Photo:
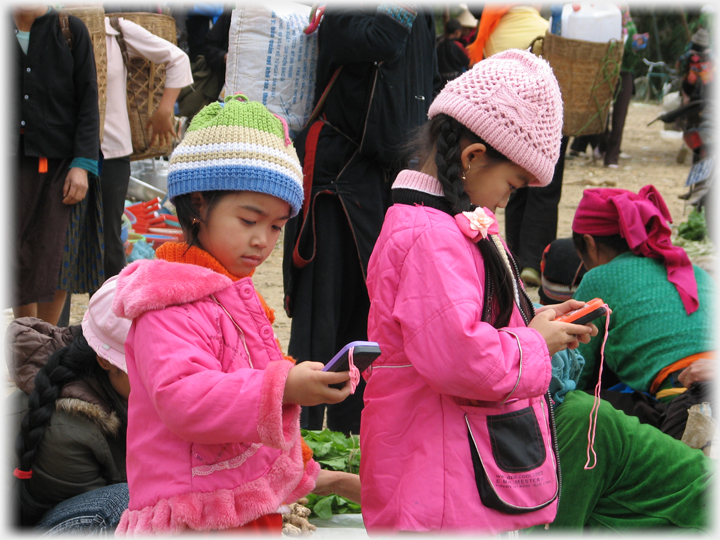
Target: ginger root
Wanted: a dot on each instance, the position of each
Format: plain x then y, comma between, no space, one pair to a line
295,523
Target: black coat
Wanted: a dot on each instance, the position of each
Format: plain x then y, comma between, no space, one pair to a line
388,79
216,43
55,96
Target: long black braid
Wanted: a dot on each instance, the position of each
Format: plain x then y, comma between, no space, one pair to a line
446,133
74,362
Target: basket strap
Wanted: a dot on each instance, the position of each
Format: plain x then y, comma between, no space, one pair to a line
64,19
126,58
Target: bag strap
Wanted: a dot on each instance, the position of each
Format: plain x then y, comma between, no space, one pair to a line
64,19
323,97
311,143
120,38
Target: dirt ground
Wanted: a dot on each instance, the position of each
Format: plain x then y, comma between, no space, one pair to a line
652,161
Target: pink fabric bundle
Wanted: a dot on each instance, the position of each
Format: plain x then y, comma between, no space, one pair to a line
641,220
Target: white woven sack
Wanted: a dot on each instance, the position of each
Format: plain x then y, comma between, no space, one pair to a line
272,61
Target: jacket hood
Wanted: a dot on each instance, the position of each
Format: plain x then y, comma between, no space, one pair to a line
29,342
146,285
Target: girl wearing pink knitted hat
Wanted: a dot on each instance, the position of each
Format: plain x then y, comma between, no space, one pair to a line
458,431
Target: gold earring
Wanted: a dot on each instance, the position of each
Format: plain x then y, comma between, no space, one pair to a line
462,176
195,220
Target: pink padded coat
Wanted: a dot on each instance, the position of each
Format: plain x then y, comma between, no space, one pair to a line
425,281
209,444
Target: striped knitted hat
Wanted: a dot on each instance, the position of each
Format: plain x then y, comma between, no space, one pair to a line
512,101
240,146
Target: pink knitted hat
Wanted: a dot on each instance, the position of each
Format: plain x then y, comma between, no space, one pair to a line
512,101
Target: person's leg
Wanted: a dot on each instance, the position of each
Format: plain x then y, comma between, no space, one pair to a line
642,479
50,311
41,221
514,215
114,182
96,512
529,233
619,113
28,310
340,302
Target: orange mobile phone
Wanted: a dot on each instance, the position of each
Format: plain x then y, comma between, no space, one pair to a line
592,310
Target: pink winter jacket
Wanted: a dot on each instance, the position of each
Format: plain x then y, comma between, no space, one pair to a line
209,443
425,281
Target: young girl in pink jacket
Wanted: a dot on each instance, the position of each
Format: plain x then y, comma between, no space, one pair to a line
458,431
213,438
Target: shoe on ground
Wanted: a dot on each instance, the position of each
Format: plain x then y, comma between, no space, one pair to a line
530,277
623,155
612,166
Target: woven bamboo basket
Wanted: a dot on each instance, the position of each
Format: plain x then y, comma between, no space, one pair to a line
145,84
587,73
94,18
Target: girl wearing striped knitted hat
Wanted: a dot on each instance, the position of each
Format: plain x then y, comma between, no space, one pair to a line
458,431
213,417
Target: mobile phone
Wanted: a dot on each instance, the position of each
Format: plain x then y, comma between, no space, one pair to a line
592,310
364,354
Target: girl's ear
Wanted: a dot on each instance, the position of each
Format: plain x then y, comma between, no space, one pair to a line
471,154
198,202
107,366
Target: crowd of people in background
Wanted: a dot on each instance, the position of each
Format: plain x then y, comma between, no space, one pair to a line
386,204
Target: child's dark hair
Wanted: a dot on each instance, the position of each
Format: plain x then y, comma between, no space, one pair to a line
75,362
445,134
452,26
188,216
615,242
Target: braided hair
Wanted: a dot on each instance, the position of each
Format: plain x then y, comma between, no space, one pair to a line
445,134
75,362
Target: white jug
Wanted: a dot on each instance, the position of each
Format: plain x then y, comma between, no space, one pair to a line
598,22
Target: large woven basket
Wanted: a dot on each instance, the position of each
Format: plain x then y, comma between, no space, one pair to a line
587,73
145,84
94,18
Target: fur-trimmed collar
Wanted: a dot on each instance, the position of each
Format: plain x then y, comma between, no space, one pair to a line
146,285
109,423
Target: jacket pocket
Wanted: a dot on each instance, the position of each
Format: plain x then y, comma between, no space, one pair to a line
515,466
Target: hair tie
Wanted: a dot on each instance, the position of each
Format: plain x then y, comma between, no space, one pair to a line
22,475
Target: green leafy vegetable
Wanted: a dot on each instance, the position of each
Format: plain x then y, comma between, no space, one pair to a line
336,452
695,227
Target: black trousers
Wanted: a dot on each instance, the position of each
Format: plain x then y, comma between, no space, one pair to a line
114,180
531,217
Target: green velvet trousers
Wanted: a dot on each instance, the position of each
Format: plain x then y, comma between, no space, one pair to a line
643,479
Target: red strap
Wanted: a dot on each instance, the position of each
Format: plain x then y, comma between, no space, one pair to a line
311,143
22,475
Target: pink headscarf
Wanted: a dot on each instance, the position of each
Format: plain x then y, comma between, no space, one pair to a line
641,220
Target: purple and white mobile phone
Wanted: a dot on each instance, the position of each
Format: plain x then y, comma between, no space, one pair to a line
364,353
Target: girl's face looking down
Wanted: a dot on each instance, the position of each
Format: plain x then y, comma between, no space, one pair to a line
487,182
241,229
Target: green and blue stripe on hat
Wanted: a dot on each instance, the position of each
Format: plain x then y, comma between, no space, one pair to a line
237,145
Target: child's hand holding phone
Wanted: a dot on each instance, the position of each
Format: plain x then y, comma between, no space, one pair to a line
307,385
552,323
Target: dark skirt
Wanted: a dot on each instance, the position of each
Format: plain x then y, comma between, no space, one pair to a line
82,269
41,224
